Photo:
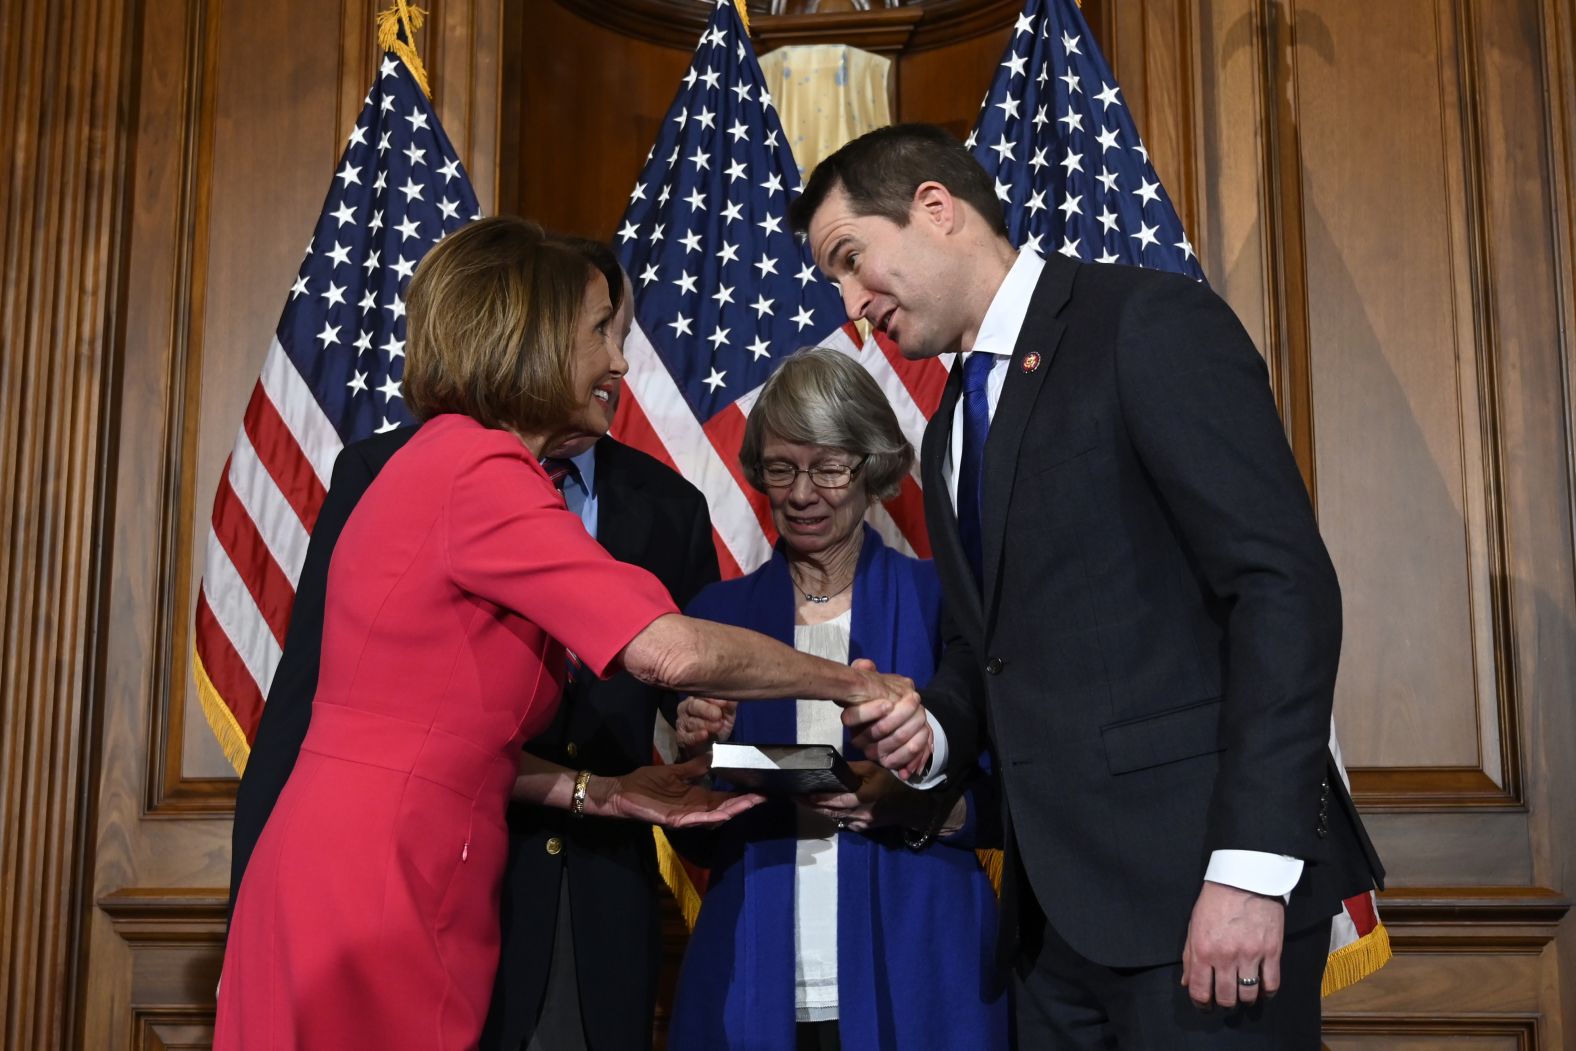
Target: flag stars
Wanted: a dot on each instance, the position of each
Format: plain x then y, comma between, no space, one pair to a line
696,200
804,318
339,254
412,190
638,193
450,169
389,68
733,210
1146,235
329,336
358,383
1073,119
417,118
1072,81
766,265
1025,25
369,300
1069,248
1036,203
1072,162
363,342
1003,147
723,295
735,171
1070,207
1148,192
772,224
405,267
711,76
380,182
762,305
1070,44
1107,179
1040,118
390,389
344,213
729,253
1109,96
450,209
718,340
396,308
1107,220
1187,248
407,229
760,348
300,287
707,117
805,275
717,380
691,242
1003,191
1038,161
701,160
628,232
335,296
394,348
1008,107
349,174
681,326
685,283
1015,65
416,154
743,91
1107,140
773,184
648,275
739,130
358,136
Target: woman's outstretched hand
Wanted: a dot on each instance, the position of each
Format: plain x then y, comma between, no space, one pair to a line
666,795
702,720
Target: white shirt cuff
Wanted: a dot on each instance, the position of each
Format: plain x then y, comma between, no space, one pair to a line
1273,875
936,772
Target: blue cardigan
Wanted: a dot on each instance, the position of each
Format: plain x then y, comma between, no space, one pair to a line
916,931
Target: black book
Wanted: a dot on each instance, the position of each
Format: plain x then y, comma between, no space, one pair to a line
782,769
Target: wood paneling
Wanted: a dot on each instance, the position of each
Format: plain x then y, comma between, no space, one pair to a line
62,83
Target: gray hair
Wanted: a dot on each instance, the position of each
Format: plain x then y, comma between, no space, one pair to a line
821,396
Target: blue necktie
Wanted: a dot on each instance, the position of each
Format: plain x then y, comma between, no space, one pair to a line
971,471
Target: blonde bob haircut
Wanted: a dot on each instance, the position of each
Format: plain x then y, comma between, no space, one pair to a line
491,319
821,396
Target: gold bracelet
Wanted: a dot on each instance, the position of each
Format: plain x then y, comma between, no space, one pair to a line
577,802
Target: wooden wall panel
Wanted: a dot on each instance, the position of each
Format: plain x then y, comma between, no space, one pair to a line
62,200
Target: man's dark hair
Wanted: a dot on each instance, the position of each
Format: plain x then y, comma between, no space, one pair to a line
601,256
880,170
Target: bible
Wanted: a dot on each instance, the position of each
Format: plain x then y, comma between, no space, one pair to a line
782,769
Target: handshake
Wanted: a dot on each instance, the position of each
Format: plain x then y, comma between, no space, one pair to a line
883,713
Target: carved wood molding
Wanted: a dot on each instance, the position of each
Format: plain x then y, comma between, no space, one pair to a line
1495,920
1446,1029
933,23
165,915
63,97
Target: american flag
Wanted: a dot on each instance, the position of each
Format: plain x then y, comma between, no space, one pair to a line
723,291
1070,168
1074,177
331,377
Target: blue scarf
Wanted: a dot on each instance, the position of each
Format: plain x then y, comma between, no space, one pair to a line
916,931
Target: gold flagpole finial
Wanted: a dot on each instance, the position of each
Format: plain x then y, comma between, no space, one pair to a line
397,33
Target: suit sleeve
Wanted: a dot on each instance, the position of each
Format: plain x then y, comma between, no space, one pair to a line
1197,406
956,697
288,710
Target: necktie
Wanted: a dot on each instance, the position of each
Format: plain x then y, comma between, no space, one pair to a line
560,471
971,471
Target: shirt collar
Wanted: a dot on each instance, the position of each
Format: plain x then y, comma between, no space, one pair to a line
1003,320
585,463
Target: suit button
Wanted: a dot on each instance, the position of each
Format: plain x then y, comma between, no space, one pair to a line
570,750
995,665
554,845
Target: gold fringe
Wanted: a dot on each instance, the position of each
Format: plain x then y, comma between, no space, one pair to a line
232,739
990,861
677,879
744,15
390,23
1350,964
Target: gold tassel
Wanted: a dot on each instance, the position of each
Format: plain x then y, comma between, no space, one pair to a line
744,15
677,879
990,861
409,19
232,739
1350,964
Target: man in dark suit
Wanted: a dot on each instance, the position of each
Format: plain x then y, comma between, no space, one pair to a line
581,941
1144,620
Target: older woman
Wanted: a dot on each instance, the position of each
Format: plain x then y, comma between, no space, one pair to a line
860,920
368,914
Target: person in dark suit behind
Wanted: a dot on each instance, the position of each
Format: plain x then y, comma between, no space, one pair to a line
1145,622
581,941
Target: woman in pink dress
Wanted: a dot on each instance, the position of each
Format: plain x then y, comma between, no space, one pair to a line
368,914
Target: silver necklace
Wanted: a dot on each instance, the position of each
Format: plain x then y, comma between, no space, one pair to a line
819,600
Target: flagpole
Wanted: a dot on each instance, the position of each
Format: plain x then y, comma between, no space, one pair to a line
397,33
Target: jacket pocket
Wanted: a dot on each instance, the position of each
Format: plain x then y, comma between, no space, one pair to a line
1181,733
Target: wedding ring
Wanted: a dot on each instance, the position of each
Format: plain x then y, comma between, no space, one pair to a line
1247,982
842,822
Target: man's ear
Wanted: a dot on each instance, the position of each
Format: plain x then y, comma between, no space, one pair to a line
934,206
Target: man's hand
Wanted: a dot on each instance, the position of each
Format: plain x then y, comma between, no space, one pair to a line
1233,934
702,720
890,726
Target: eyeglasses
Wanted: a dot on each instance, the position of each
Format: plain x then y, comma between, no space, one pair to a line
780,475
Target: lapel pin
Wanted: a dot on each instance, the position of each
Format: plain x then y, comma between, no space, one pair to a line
1031,362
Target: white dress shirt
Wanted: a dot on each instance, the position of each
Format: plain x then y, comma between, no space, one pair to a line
1251,870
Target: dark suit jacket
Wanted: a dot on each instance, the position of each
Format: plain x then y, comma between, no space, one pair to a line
1153,651
646,515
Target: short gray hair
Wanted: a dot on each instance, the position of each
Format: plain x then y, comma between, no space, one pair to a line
821,396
